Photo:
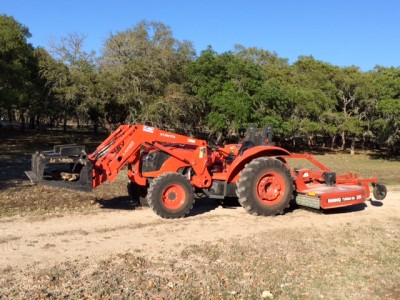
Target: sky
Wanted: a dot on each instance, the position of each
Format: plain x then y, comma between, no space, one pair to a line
364,33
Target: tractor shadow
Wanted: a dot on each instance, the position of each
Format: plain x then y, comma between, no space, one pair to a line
375,203
344,210
353,208
333,211
120,202
201,206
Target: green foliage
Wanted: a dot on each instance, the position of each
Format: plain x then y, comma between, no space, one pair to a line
387,116
16,58
70,76
136,69
145,75
227,84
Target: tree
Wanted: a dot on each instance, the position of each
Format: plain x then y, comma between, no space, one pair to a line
72,74
294,98
38,106
137,69
273,66
15,70
387,124
351,94
227,85
54,73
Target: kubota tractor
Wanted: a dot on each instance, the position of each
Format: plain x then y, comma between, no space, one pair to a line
165,169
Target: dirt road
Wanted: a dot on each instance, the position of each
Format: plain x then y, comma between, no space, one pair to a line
43,240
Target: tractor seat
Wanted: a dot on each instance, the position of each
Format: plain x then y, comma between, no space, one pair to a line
246,145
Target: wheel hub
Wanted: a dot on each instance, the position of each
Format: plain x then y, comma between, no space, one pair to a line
173,196
270,188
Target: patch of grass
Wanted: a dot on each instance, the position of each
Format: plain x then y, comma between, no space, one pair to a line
364,165
40,200
388,171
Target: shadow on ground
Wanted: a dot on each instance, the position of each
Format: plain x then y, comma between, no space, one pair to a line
354,208
120,202
202,205
12,167
347,209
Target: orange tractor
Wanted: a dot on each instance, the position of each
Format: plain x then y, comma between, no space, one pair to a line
166,169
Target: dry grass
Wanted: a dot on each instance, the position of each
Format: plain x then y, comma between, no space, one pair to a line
27,199
365,165
352,262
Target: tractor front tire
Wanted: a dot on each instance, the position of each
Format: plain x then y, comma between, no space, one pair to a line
171,195
137,194
265,187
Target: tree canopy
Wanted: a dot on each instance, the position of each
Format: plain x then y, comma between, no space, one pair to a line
145,75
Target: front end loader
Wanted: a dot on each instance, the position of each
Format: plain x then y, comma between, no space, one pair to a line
165,170
65,166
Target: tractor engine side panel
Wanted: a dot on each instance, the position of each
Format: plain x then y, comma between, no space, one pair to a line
153,161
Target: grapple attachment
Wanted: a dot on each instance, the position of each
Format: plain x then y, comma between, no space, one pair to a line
65,166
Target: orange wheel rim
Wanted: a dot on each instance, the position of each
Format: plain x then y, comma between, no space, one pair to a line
174,196
270,188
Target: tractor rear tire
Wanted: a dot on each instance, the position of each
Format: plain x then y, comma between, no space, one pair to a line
137,194
265,187
171,195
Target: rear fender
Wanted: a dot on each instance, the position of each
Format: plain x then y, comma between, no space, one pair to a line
260,151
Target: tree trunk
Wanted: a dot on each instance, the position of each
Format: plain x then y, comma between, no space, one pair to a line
108,126
96,126
37,121
310,140
343,139
52,122
333,141
31,122
65,124
22,119
219,137
353,146
10,117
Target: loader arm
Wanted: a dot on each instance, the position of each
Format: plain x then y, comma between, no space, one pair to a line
69,166
124,145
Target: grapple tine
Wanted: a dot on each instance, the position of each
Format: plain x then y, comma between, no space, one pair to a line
65,166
